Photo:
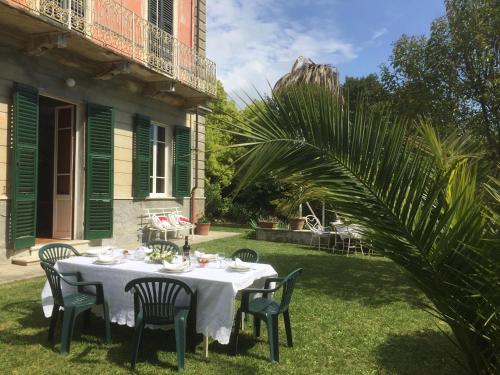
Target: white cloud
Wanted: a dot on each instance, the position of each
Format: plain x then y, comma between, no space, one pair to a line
254,43
379,33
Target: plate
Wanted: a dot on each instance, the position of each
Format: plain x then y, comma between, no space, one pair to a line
183,270
117,261
237,269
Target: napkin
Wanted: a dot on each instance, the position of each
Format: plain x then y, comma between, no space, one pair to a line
238,263
175,266
106,259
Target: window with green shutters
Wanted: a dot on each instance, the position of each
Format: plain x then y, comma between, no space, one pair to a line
24,167
182,162
99,172
141,156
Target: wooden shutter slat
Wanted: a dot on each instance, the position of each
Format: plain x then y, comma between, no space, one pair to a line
182,162
24,167
99,172
142,156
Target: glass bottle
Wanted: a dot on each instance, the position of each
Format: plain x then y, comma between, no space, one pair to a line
186,249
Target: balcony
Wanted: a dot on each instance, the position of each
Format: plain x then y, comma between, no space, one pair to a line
118,41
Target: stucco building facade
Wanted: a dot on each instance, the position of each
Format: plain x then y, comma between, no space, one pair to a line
102,109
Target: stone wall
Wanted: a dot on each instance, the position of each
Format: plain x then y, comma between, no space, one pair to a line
302,237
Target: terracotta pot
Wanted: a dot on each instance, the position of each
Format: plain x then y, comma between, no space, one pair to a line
202,229
296,223
268,224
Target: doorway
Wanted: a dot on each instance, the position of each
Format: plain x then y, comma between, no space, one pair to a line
55,169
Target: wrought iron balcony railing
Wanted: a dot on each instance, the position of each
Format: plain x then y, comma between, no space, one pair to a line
110,24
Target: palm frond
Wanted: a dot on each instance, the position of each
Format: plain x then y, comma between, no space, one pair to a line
416,196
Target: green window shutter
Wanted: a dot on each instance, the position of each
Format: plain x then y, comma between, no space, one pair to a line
24,167
142,156
182,162
99,172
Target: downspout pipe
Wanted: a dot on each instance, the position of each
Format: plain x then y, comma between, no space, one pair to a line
196,167
197,130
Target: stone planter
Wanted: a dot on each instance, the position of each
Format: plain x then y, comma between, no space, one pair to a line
268,224
296,223
202,229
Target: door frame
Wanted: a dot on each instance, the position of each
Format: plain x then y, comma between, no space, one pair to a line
71,172
78,160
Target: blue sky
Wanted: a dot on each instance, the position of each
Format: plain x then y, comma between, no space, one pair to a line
255,42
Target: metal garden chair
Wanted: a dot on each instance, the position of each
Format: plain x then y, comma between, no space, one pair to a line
246,255
318,231
73,304
156,302
267,309
53,252
164,245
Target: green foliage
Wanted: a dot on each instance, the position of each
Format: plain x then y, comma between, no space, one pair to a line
222,160
367,89
203,220
417,195
451,76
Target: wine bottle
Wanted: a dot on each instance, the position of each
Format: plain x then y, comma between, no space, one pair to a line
186,249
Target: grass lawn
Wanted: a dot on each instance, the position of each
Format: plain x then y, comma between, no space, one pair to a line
350,315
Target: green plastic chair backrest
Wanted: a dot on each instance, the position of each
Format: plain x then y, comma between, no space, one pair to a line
246,255
156,297
54,279
53,252
164,245
288,284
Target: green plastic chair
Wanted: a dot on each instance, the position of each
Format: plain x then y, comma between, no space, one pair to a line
164,245
246,255
267,309
53,252
155,303
73,304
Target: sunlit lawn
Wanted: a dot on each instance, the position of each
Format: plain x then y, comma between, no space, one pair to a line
350,315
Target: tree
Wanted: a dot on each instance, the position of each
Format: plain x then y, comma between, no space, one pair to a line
417,197
451,77
367,89
220,160
304,70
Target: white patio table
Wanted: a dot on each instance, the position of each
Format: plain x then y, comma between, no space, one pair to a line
216,286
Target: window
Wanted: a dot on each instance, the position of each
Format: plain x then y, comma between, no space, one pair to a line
160,166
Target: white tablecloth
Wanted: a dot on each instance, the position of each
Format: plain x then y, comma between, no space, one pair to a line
216,288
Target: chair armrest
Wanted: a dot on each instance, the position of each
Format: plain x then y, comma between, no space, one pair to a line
96,284
245,295
270,280
77,274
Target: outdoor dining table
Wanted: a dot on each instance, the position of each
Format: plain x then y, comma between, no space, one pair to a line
216,286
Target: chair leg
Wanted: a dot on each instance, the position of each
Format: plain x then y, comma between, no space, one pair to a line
139,328
67,329
107,323
272,333
236,333
180,341
288,328
53,321
86,320
256,326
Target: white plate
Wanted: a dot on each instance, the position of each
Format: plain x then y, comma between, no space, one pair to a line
183,270
117,261
237,269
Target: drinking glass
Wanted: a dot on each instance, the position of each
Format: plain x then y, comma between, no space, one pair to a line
221,258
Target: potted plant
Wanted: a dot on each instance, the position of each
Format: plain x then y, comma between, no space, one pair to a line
293,196
270,222
202,226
